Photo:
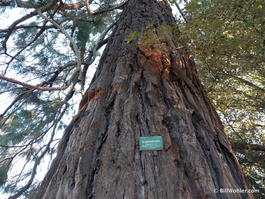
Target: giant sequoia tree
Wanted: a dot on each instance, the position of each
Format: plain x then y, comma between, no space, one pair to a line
146,84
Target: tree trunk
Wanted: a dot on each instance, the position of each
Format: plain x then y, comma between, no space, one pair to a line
146,84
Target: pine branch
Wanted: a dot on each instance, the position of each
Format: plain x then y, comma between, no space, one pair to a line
34,39
24,18
75,47
38,159
20,96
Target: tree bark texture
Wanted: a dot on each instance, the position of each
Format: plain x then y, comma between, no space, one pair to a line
144,89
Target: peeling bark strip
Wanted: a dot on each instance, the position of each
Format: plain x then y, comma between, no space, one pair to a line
145,94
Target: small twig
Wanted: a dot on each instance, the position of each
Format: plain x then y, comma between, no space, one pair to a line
244,81
235,132
180,11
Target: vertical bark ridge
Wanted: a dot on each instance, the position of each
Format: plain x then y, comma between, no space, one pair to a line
147,89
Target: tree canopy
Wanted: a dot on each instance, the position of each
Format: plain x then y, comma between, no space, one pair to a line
227,39
48,50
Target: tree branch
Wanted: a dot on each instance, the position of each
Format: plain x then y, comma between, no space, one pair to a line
27,16
27,45
110,8
244,81
32,86
180,11
75,48
244,146
92,55
47,147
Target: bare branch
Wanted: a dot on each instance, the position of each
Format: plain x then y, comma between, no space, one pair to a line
49,82
32,86
180,11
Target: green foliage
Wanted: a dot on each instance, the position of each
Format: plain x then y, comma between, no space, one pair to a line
29,121
157,38
227,39
4,167
132,36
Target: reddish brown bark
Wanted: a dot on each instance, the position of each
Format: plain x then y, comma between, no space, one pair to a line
148,90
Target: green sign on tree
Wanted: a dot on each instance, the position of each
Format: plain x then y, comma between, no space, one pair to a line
151,143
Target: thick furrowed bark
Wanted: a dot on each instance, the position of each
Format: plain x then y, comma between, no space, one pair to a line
142,93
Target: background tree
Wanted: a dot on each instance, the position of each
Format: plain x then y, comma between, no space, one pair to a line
227,39
50,49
